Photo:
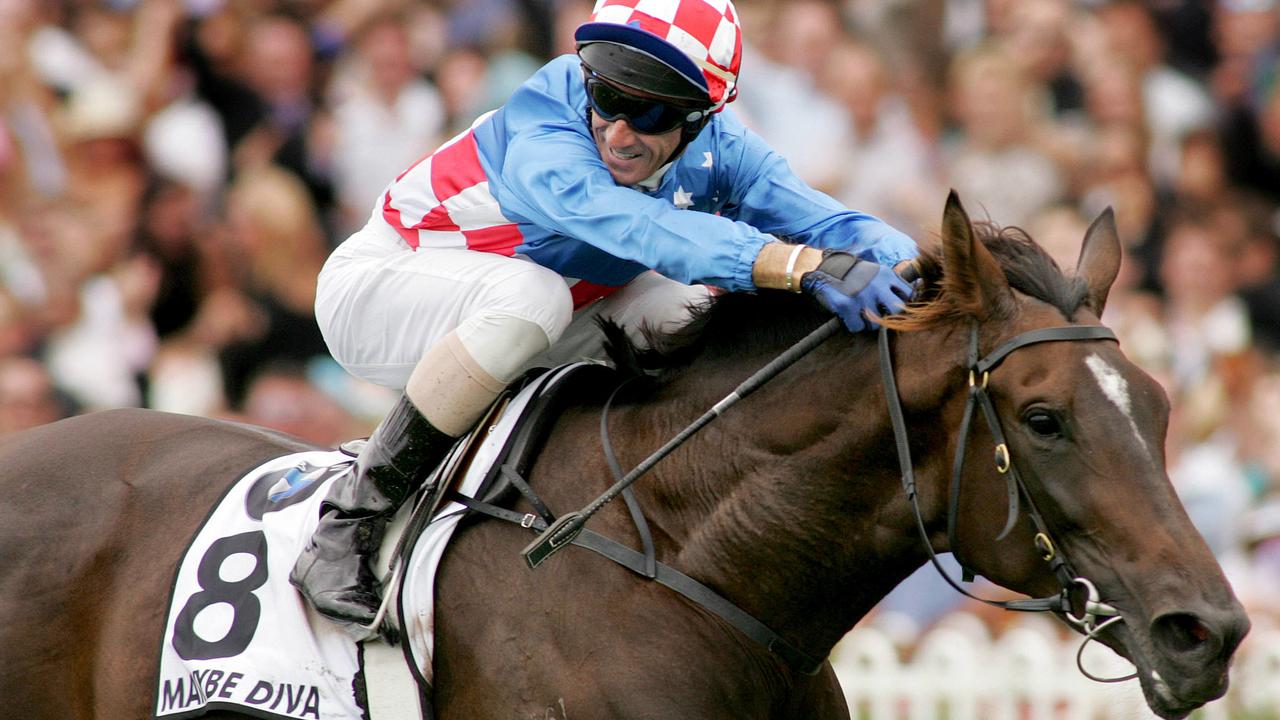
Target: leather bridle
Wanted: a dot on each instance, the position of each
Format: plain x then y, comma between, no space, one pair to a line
979,371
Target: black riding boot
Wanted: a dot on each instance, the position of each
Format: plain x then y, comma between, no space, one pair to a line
334,570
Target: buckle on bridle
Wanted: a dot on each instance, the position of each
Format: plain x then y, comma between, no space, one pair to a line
1046,548
1061,602
1002,458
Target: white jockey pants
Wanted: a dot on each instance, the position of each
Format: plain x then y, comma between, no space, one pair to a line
382,306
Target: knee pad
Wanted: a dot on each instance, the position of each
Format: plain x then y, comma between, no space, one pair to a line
537,295
502,344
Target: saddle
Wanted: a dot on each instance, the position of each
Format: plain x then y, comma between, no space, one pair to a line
535,423
520,423
537,398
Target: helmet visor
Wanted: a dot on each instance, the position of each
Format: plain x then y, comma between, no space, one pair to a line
644,115
630,67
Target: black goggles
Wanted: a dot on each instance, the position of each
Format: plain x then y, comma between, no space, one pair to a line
650,117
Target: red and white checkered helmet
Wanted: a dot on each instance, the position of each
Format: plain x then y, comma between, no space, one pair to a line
700,39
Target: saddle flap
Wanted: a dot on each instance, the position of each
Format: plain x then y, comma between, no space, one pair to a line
561,389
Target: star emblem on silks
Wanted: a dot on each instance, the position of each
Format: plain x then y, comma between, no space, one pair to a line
682,199
706,159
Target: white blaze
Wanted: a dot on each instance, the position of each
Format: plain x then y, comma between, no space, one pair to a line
1116,389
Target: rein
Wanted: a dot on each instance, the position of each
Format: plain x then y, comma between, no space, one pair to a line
569,529
563,531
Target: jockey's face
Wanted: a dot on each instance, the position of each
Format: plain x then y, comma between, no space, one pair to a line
629,155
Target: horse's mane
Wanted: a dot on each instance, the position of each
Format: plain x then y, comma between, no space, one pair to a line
739,323
732,324
1028,268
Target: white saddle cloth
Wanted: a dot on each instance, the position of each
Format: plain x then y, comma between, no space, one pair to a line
239,637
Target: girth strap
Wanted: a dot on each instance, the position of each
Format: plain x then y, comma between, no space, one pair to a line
668,576
643,564
633,505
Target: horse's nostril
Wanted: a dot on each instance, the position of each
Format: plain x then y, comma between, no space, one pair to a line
1181,632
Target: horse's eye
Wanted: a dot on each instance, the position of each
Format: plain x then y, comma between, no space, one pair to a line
1043,423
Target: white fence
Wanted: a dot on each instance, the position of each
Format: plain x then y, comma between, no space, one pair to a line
958,671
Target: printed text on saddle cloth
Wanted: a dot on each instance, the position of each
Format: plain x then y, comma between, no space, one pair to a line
238,637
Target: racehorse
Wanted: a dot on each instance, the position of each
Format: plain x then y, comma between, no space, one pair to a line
791,505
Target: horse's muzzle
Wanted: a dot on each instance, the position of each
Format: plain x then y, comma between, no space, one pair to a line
1191,656
1190,643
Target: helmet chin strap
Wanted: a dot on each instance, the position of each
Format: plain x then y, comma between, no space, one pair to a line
688,133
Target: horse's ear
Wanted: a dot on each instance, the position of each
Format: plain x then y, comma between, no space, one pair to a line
972,277
1099,261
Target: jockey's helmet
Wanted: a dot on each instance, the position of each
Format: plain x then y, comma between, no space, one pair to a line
686,51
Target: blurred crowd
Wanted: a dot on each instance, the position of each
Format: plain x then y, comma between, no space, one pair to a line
174,172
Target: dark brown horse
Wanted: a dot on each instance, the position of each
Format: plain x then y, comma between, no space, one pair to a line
790,505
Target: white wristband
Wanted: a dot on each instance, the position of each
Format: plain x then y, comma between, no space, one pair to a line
791,267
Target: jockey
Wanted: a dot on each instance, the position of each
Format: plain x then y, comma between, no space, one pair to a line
612,183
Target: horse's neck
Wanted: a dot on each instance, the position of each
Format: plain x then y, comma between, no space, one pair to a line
789,503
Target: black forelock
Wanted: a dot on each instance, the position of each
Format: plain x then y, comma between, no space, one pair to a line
1030,269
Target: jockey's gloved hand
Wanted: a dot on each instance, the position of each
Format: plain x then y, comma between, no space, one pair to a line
855,290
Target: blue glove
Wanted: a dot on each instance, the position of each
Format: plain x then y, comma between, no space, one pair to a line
854,289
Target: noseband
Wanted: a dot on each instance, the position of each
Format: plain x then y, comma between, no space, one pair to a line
980,368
